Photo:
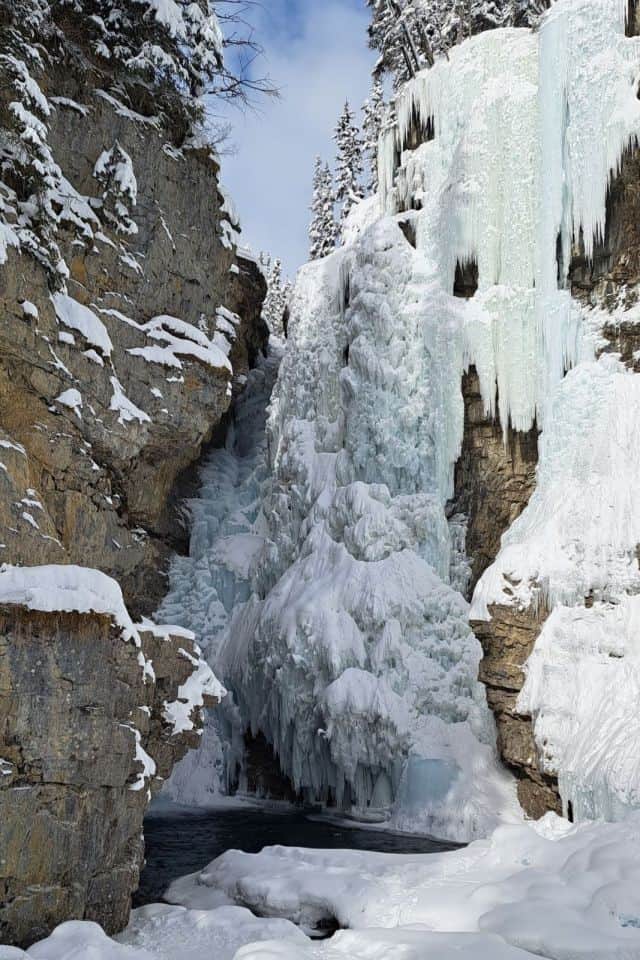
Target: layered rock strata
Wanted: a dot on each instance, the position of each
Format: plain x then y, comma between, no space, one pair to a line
112,380
86,736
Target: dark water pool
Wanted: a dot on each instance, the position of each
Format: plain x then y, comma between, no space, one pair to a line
180,841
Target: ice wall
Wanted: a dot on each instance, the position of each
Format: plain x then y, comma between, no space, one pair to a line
344,638
354,655
574,549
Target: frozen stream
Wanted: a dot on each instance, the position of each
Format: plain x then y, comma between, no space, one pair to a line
183,840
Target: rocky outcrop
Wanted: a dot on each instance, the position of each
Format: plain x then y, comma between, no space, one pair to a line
611,278
507,641
79,719
105,431
494,477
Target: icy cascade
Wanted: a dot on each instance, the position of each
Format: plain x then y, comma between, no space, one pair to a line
206,586
352,653
354,656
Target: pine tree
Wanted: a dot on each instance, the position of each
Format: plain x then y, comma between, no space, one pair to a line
114,172
276,300
409,34
322,229
373,112
349,166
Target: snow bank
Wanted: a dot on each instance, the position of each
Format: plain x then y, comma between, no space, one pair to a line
67,588
534,890
544,890
181,339
163,932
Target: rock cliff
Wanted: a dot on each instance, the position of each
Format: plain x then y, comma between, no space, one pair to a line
115,372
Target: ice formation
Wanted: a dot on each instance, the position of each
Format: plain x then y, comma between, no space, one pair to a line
573,550
341,631
206,586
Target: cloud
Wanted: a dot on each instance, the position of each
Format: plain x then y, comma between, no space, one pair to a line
317,55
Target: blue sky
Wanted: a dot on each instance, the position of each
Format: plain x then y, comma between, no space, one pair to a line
316,53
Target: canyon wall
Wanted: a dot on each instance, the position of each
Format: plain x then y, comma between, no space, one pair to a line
115,372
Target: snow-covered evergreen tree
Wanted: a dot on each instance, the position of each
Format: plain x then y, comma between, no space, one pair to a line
277,298
175,47
114,172
349,162
322,229
373,120
409,34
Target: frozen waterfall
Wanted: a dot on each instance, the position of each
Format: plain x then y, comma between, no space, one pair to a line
323,577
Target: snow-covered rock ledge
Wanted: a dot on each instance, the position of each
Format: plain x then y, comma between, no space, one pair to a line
95,710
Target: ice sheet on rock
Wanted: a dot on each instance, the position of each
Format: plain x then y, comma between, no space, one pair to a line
527,129
586,734
579,532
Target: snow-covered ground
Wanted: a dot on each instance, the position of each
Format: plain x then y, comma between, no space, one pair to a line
546,890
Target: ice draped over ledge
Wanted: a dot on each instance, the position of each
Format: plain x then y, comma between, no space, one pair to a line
352,653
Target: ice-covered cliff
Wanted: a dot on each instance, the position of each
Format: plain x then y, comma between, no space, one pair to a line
478,262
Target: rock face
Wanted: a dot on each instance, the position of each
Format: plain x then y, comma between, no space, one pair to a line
111,410
110,386
494,478
507,641
73,701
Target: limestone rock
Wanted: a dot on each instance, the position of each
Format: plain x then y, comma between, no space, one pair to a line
72,696
110,388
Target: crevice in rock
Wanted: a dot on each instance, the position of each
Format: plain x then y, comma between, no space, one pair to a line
614,269
494,477
408,227
419,131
